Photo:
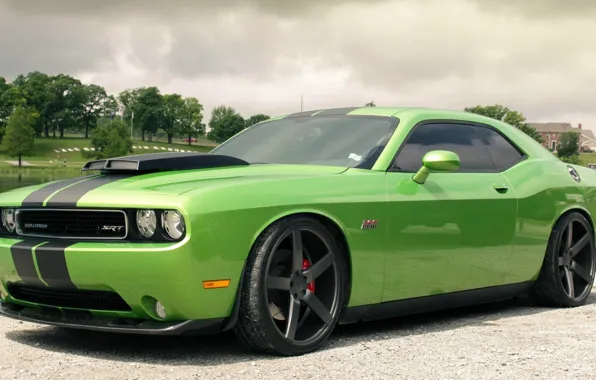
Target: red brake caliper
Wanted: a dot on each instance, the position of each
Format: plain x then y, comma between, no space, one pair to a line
311,285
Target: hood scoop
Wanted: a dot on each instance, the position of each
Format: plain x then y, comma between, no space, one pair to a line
160,162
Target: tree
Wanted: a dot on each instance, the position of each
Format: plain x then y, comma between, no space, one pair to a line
128,100
370,104
10,97
191,119
67,103
35,89
225,122
19,139
254,119
110,139
109,106
93,98
148,110
568,145
5,108
502,113
173,107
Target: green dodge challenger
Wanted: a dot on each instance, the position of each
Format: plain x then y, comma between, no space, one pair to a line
300,223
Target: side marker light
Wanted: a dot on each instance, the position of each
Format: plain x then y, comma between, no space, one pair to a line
216,284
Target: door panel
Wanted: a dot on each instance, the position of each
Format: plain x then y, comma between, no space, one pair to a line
452,233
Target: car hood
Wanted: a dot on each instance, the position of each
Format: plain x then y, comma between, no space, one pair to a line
166,184
176,183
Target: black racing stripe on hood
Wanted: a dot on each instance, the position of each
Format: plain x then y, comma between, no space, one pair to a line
22,256
36,198
51,261
71,195
337,111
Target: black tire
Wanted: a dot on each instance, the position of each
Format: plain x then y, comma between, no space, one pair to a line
270,280
567,274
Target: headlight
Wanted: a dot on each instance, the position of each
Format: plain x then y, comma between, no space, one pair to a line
146,222
8,220
173,223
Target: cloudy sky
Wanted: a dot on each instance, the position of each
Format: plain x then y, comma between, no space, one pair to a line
537,56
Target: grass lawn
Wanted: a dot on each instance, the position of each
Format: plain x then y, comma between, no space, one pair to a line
587,158
45,155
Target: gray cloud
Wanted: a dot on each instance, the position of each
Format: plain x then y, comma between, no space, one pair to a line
556,9
53,45
534,55
287,8
198,51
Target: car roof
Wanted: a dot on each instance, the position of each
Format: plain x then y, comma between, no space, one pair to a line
522,140
384,111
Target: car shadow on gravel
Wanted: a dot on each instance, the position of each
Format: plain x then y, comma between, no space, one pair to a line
224,349
444,320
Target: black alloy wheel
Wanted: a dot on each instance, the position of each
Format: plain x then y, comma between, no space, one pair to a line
294,288
576,259
569,267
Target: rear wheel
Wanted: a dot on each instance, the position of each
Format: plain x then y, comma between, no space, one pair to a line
294,288
569,267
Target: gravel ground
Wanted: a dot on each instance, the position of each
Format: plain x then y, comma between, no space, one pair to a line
509,340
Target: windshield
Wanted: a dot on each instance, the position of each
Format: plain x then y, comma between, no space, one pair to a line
352,141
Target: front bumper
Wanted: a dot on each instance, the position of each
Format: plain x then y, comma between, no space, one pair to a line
137,274
87,321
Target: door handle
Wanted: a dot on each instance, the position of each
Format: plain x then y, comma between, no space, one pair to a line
500,187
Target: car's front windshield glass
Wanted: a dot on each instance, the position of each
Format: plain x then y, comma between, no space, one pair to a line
347,141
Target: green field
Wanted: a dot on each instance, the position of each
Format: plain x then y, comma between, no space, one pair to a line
587,158
46,156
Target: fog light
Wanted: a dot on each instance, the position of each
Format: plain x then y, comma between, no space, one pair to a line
160,310
8,221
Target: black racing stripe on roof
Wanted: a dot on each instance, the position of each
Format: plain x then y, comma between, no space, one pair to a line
301,114
337,111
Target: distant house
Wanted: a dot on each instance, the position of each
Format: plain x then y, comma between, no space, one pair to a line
551,133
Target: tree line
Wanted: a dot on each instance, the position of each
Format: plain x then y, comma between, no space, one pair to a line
49,105
62,102
45,106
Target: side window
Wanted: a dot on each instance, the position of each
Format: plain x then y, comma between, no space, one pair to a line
503,154
459,138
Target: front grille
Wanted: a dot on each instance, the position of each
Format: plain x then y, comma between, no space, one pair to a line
77,299
72,224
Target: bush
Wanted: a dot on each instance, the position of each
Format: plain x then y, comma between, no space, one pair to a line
573,159
110,140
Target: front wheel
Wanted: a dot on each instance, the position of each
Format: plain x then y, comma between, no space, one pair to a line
569,267
294,288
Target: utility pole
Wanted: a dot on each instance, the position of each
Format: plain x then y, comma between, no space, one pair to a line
131,119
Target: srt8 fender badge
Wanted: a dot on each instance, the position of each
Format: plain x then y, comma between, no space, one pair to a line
573,173
368,224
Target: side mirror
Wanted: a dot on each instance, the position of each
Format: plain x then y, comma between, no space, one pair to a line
436,161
